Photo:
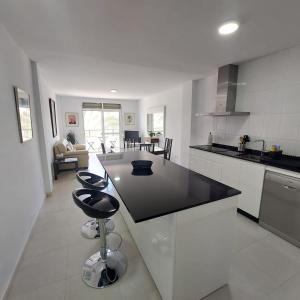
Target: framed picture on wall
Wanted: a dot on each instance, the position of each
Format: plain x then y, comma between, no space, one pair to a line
53,117
23,108
129,118
72,119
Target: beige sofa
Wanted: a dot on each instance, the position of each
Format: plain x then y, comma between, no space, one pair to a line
69,150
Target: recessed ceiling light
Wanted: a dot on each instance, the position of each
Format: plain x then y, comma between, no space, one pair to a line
228,27
113,90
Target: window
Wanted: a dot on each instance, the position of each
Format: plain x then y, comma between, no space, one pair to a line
101,125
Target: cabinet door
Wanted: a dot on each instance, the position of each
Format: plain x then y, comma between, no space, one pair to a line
194,163
251,183
214,170
230,172
249,200
206,164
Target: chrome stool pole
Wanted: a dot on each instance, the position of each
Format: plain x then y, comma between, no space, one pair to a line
106,266
90,229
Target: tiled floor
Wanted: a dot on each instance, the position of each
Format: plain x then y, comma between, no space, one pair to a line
264,266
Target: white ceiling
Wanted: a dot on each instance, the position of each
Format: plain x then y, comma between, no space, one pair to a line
87,47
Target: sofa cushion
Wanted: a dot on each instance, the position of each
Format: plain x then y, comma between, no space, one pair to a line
76,153
61,147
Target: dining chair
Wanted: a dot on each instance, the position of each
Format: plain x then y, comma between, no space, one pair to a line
103,148
168,148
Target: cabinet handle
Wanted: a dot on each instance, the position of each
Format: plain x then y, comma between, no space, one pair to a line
290,188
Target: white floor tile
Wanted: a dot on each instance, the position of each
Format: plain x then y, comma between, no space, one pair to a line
290,290
40,271
283,246
246,278
78,290
247,232
278,266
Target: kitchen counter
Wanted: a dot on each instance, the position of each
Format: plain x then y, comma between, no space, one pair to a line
289,163
169,189
175,216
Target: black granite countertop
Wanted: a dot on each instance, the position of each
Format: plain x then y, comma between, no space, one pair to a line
171,188
291,163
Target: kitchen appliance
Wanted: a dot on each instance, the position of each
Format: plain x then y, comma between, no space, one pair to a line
280,206
226,92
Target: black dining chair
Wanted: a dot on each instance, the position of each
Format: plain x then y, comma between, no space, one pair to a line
103,148
168,148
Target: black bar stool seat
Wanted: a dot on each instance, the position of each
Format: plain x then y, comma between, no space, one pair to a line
95,182
91,181
106,266
96,204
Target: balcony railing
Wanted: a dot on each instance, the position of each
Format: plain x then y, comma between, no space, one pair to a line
94,138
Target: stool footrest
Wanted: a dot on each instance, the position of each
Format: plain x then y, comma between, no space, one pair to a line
99,274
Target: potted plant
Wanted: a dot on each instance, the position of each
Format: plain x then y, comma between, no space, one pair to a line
71,137
151,133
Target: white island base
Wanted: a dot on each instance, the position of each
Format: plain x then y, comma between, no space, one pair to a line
188,253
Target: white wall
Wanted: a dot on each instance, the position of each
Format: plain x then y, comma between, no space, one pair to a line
21,182
42,93
270,91
178,122
74,104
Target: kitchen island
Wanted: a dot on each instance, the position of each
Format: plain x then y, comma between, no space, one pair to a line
181,221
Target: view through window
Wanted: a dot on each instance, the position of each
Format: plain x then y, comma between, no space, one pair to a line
101,126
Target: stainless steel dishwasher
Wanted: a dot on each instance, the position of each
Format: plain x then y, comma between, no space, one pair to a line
280,206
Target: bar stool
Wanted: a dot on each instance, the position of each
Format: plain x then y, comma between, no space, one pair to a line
107,266
92,181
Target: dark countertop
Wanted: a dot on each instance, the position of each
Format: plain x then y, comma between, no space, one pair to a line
171,188
291,163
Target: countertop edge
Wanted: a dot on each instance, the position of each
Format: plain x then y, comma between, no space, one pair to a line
296,172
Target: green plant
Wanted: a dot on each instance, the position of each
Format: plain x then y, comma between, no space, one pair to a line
151,133
71,137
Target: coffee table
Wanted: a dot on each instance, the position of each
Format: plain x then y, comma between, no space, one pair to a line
65,161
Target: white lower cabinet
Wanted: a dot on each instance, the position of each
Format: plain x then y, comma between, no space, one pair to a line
245,176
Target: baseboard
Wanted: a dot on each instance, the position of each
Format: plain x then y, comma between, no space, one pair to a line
6,289
242,212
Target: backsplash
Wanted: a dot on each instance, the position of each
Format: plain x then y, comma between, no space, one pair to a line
268,87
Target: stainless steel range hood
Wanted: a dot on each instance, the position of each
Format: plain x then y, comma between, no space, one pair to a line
226,92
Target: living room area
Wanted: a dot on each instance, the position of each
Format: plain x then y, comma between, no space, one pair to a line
90,126
97,120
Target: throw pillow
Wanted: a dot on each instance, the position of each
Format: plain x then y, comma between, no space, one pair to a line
70,147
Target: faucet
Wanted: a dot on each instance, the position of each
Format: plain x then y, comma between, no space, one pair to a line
263,145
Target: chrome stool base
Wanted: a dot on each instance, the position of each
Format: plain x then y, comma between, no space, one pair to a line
90,229
99,274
